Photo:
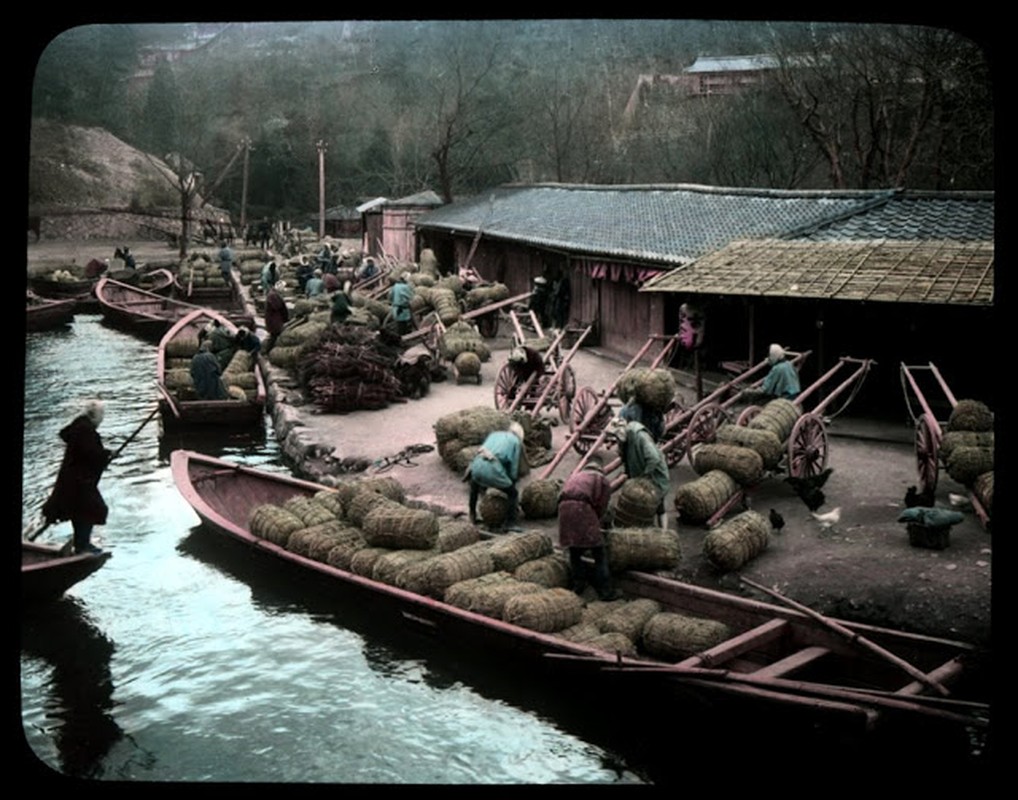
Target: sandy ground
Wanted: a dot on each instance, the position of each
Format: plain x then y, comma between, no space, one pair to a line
862,568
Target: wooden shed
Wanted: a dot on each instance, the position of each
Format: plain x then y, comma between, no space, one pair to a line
392,232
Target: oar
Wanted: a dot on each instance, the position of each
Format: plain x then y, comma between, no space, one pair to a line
38,532
873,647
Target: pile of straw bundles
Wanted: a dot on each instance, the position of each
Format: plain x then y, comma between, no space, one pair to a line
651,388
673,637
643,549
488,594
764,442
636,503
539,498
510,551
445,303
330,500
319,538
307,510
970,415
183,346
455,533
349,543
363,561
350,368
546,611
239,375
433,576
462,337
274,524
953,439
460,433
485,295
698,500
741,463
363,503
429,262
629,618
967,447
737,541
778,416
400,528
383,485
493,507
388,566
549,571
965,464
199,274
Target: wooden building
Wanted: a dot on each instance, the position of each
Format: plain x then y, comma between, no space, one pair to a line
389,225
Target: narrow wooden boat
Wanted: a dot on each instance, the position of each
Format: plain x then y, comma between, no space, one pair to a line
138,310
158,281
243,377
774,659
44,314
46,573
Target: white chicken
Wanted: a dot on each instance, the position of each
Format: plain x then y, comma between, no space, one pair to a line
828,518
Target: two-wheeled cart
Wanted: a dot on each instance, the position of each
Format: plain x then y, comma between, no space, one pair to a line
929,432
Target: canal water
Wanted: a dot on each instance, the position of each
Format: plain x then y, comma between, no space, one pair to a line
183,659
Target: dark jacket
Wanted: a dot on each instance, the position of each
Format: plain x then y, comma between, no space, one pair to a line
276,312
582,504
206,375
76,494
340,307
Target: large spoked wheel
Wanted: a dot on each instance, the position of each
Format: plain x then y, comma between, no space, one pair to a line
704,426
747,414
487,325
927,451
807,447
583,404
566,393
505,385
677,445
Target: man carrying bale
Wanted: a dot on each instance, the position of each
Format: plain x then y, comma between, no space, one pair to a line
582,505
641,458
497,466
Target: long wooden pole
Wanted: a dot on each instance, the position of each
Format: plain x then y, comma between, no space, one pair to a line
852,636
243,190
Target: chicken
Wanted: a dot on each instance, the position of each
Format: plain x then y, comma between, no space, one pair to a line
830,518
808,488
914,498
777,521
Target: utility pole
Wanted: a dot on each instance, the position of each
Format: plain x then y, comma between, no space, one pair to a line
321,145
243,192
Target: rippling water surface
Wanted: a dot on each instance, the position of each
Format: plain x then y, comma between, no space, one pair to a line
184,660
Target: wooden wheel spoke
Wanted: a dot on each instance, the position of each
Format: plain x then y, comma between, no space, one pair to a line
927,454
807,447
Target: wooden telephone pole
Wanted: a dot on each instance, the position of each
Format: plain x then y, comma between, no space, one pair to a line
321,145
246,144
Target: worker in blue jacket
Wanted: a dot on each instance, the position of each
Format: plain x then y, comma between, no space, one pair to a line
400,296
497,466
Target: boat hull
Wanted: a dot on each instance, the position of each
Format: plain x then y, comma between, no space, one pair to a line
45,314
46,574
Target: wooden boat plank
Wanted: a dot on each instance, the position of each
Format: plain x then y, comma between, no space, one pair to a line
792,663
771,630
947,672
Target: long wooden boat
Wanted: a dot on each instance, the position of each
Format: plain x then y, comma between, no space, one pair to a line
46,573
138,310
44,314
243,377
775,659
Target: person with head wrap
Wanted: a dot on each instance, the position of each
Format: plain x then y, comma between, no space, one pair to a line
642,458
246,340
582,505
75,495
652,419
207,374
225,261
497,466
523,362
782,379
270,274
400,296
315,285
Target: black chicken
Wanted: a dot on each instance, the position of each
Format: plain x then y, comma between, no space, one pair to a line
808,488
916,499
777,521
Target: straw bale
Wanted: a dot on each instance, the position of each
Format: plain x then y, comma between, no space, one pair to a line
737,541
698,500
970,415
653,388
764,442
455,533
236,392
636,503
449,450
429,262
629,618
388,566
273,523
983,488
742,463
488,594
330,500
178,363
365,502
952,439
447,426
442,571
341,554
581,633
300,333
177,379
301,542
363,561
308,511
446,304
486,295
674,637
342,534
479,421
965,464
183,346
284,357
242,361
452,283
546,611
400,528
778,417
244,381
539,498
492,507
385,486
595,609
643,549
617,643
468,364
511,550
549,571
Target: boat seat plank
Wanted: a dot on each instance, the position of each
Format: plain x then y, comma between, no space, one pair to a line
737,645
943,674
791,663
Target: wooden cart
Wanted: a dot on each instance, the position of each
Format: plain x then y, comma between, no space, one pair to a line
929,432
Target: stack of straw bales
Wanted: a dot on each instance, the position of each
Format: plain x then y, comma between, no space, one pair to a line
967,446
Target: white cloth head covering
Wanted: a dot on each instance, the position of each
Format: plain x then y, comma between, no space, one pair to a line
516,429
518,355
618,428
95,410
776,353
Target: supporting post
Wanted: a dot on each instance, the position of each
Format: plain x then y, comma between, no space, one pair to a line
322,146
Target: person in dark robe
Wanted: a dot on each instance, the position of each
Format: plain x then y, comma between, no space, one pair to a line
76,495
341,305
276,316
246,340
207,375
582,505
523,362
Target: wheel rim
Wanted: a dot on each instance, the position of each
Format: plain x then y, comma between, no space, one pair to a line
676,445
703,426
585,401
927,454
807,447
503,388
747,414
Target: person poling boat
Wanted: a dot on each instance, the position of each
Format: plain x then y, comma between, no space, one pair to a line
75,495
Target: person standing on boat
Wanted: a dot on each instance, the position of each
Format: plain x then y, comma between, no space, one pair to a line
276,316
497,466
246,340
582,505
75,495
207,374
225,261
642,458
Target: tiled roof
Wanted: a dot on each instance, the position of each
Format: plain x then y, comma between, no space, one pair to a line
662,224
425,198
732,63
928,271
